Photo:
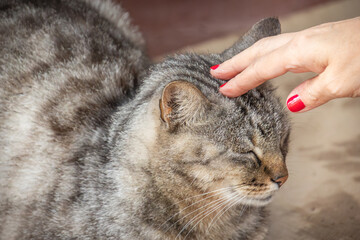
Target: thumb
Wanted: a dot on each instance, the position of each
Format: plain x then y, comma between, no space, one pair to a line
308,95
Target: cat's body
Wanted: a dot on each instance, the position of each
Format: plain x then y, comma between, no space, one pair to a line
83,157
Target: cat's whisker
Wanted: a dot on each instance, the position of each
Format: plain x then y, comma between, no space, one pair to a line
230,206
203,211
195,211
206,211
195,178
218,193
202,194
236,202
223,207
210,212
201,179
243,209
218,215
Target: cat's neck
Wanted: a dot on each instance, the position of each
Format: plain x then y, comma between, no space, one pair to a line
174,210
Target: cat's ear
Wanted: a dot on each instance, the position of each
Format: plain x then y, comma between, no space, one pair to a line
264,28
182,103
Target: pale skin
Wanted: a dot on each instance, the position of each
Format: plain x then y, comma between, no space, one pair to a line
331,50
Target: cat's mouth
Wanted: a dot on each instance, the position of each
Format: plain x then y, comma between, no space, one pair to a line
260,199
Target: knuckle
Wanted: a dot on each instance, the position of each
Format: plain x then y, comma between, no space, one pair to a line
258,47
260,43
313,95
302,38
232,65
334,89
297,41
256,72
301,42
294,58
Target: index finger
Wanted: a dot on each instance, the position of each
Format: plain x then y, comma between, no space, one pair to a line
267,67
241,61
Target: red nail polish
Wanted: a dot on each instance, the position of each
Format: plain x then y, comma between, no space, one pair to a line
215,66
295,104
223,85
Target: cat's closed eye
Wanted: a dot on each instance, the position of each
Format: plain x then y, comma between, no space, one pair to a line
248,159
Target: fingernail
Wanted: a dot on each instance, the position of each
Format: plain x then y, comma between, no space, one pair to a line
223,85
215,66
295,104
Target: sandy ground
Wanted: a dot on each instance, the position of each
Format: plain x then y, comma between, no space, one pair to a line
321,199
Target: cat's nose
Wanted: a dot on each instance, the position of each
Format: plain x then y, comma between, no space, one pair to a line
280,180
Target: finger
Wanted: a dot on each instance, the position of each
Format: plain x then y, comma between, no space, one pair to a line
239,62
308,95
267,67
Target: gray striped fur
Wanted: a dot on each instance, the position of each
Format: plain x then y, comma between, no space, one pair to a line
85,153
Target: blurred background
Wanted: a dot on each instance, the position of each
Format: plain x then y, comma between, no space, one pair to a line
171,25
321,199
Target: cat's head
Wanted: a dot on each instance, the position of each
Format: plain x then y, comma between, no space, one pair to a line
207,142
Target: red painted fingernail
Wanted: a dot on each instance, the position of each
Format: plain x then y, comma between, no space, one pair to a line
295,104
215,66
223,85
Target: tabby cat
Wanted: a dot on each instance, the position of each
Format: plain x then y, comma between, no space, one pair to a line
96,143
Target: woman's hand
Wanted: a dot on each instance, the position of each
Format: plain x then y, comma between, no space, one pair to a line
331,50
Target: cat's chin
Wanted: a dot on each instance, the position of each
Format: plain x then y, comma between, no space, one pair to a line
258,201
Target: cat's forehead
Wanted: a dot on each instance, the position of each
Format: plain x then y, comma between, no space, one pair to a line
247,122
241,135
